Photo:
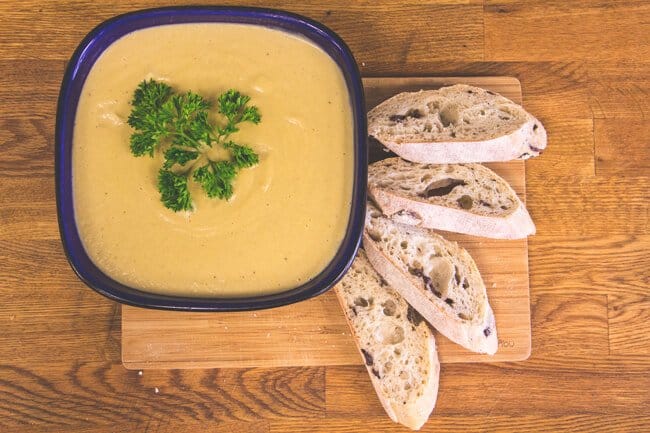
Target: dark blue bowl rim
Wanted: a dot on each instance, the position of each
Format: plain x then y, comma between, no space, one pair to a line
98,40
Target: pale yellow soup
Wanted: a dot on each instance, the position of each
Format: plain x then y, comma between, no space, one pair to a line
288,214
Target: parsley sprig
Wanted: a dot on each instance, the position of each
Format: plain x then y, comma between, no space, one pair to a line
179,124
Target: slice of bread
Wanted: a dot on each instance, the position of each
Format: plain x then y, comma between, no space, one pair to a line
396,344
456,124
437,277
462,198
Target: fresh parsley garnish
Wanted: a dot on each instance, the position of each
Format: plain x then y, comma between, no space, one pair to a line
216,178
232,104
177,155
173,190
242,156
179,124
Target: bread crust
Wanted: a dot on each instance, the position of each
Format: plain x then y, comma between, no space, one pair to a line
516,145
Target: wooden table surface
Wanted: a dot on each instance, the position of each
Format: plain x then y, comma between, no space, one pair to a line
585,73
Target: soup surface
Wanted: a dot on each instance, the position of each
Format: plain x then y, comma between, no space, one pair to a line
288,214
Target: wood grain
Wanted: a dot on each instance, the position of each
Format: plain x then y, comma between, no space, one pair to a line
587,207
515,30
622,148
584,68
616,264
23,157
571,325
587,423
101,394
570,150
29,88
619,90
25,222
488,389
629,317
160,424
315,332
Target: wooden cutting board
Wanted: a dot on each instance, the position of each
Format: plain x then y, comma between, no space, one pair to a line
314,332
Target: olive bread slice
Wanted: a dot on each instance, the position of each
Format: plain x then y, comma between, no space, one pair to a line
437,277
397,346
456,124
462,198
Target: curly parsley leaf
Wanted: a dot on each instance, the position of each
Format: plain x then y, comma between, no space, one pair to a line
142,144
188,122
176,155
251,114
148,117
180,124
216,178
232,105
174,192
147,100
242,156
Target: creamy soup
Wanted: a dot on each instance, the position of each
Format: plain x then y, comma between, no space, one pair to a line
288,214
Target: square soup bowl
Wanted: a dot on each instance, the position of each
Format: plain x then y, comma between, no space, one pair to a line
78,69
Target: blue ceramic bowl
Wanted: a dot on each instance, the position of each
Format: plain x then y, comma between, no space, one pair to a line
80,65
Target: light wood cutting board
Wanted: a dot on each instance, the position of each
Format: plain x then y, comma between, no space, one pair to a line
314,332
